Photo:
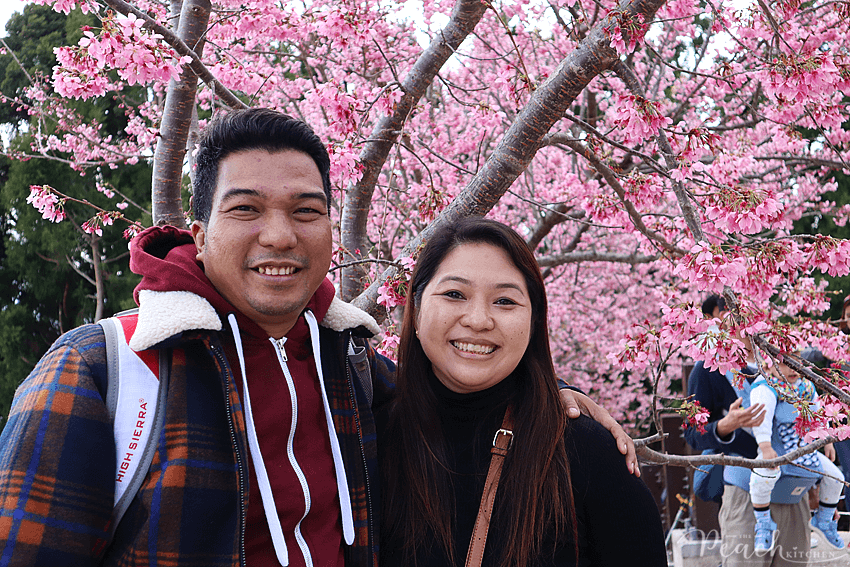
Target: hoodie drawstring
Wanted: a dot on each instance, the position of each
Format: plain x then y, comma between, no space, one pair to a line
257,457
341,480
269,506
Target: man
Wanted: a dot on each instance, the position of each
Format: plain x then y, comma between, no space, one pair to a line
713,391
267,455
724,433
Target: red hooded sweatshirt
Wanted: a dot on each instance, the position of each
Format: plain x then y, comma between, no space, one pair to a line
165,258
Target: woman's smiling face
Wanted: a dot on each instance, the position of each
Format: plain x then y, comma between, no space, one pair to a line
474,319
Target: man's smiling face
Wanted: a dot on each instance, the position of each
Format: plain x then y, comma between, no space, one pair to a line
267,246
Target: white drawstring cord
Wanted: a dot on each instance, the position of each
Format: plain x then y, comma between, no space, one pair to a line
341,480
259,466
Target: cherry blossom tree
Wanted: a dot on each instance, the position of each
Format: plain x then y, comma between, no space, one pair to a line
651,153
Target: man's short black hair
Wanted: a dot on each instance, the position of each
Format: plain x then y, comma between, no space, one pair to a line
251,129
711,302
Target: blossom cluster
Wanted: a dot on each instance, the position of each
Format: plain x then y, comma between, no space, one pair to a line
43,198
743,209
95,224
639,118
693,415
389,345
432,204
797,78
123,44
131,231
625,27
65,6
393,292
829,255
709,268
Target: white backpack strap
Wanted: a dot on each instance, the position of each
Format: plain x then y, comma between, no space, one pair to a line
135,402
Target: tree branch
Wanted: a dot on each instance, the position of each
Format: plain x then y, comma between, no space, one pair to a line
613,181
197,66
652,456
166,202
590,256
517,148
553,217
80,273
803,370
358,199
625,73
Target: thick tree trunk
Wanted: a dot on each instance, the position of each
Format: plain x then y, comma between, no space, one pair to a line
516,150
358,199
167,205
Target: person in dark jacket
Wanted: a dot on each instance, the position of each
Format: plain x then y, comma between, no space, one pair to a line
268,451
237,302
474,349
724,431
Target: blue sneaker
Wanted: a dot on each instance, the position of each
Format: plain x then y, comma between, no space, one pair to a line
827,527
765,536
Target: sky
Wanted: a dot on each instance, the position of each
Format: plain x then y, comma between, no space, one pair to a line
7,8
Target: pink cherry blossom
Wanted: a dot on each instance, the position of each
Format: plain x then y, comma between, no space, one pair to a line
48,204
639,118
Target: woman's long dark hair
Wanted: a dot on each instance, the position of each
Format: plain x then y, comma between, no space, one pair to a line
534,499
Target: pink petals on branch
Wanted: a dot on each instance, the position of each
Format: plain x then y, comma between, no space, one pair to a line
393,292
743,209
694,415
709,268
797,78
50,206
639,118
830,255
95,224
123,44
624,28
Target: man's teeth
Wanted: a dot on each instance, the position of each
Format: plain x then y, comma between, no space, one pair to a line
477,349
272,271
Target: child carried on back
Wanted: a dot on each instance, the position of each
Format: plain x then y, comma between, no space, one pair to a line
777,436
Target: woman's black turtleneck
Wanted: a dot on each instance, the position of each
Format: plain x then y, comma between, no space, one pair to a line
618,522
469,422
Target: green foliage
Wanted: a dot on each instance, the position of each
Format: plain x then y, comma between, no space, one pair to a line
825,225
31,37
46,269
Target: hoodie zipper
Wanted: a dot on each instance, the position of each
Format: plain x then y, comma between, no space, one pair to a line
360,441
290,452
223,362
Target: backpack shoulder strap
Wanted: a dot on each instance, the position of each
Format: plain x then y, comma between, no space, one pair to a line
135,400
359,359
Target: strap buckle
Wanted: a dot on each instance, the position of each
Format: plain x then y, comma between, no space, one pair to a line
503,431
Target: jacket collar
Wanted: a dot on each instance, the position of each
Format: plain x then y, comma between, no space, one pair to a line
163,314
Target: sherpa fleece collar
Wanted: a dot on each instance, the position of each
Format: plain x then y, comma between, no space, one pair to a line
163,314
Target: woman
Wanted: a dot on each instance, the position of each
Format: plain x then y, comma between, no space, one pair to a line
475,341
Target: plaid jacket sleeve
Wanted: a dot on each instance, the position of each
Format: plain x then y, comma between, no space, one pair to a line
57,459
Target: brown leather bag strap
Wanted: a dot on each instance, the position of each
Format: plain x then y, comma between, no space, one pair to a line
501,444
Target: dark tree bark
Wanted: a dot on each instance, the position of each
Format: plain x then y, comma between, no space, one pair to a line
167,207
